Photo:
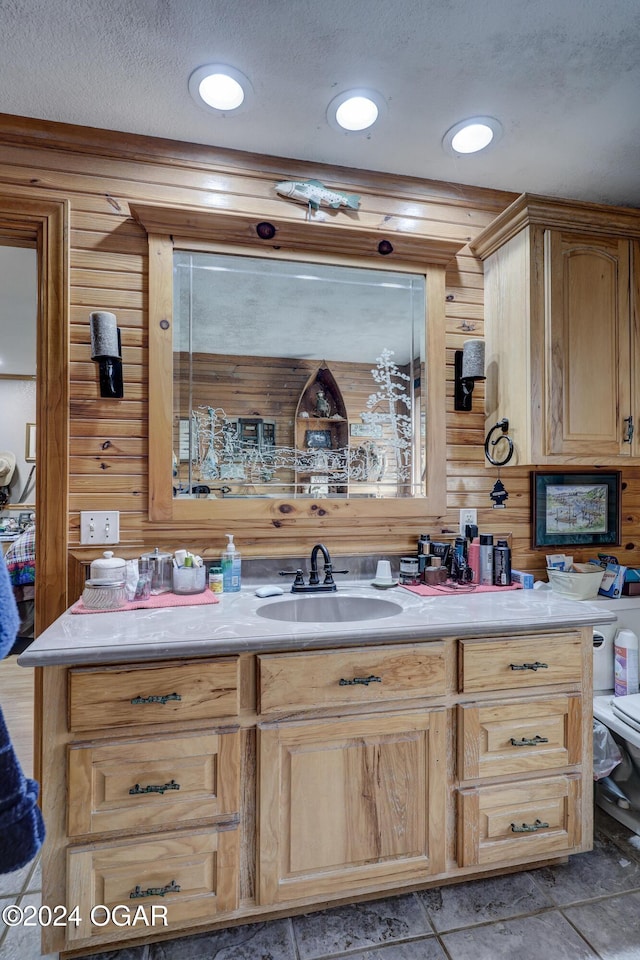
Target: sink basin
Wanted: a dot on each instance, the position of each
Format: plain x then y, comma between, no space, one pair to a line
329,609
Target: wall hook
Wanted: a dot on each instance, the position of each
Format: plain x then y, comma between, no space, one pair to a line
504,426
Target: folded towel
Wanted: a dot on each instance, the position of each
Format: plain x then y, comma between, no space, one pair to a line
161,600
22,828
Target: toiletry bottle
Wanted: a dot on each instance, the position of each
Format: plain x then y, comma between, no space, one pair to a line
486,559
502,564
215,578
625,663
231,567
473,559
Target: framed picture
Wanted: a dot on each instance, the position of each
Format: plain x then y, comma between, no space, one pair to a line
30,443
575,509
317,439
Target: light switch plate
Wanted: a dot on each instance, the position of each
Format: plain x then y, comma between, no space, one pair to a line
99,526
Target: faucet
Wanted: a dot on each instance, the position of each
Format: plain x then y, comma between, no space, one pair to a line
314,585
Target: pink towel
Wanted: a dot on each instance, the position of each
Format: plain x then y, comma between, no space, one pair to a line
161,600
447,589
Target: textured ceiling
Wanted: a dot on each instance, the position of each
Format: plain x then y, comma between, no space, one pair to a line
562,77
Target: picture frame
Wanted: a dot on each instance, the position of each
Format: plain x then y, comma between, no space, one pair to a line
30,443
576,509
318,439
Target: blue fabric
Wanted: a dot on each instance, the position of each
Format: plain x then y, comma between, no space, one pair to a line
21,825
9,618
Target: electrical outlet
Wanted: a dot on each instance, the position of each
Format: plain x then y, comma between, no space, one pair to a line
99,526
467,518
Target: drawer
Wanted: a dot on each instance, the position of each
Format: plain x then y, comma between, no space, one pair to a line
150,784
502,738
524,821
519,663
307,681
122,696
189,876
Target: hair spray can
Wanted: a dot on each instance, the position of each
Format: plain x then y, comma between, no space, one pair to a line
486,559
502,564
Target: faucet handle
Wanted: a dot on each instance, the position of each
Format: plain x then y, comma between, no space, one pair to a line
339,571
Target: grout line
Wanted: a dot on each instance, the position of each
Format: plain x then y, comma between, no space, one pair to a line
581,935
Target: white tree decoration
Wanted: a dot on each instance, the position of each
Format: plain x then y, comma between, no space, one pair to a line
392,395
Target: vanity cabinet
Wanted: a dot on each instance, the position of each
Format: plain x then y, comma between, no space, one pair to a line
562,348
231,789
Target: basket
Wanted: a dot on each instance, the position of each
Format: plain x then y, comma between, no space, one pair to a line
575,586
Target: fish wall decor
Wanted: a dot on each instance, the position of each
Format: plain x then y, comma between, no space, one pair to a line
313,194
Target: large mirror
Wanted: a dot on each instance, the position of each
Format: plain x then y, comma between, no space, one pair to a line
302,378
294,379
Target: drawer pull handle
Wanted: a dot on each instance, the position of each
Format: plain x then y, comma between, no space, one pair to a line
529,741
529,666
154,788
528,827
163,700
138,893
365,681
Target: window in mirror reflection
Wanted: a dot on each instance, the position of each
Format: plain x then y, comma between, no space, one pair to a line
297,379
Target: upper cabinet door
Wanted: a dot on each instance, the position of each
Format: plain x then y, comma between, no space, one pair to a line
588,345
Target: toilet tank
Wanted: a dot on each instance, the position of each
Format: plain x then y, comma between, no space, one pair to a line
627,612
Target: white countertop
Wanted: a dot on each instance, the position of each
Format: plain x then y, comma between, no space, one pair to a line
234,626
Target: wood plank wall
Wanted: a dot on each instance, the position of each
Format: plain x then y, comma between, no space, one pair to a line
99,173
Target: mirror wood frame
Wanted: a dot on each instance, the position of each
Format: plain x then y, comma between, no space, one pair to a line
171,228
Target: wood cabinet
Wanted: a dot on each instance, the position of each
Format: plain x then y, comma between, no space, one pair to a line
346,803
233,788
562,349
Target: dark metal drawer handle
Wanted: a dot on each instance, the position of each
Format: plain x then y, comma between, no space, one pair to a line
529,666
138,893
529,827
365,681
163,700
529,741
153,788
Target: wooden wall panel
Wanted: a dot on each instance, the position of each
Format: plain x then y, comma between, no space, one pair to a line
99,174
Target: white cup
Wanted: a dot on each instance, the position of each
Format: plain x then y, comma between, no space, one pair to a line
383,571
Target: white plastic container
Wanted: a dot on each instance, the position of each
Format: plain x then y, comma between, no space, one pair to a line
626,663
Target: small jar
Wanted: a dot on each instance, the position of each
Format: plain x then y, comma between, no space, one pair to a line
409,570
108,567
215,578
104,595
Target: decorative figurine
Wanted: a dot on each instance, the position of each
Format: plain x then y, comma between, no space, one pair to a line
322,404
313,194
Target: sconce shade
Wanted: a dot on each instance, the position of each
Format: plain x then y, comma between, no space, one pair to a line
473,360
104,335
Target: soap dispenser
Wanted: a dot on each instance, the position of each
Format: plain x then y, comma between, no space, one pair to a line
231,567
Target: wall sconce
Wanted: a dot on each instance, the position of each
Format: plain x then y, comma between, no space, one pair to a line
469,367
106,350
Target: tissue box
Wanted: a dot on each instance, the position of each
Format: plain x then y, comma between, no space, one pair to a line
524,579
613,580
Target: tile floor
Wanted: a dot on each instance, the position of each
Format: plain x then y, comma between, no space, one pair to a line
588,908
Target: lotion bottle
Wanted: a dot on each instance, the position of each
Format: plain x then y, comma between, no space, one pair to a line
231,567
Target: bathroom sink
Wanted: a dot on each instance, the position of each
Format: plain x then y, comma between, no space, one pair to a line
329,609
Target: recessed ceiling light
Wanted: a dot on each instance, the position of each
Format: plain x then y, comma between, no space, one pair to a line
470,136
220,89
355,110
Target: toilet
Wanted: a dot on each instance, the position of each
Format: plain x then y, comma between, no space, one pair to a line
619,793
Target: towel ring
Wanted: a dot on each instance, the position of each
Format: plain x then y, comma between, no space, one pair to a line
504,426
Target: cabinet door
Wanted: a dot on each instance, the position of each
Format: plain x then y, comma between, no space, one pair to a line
588,355
348,803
